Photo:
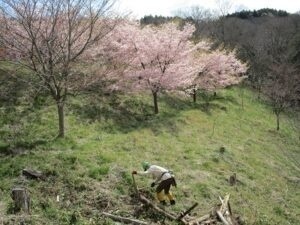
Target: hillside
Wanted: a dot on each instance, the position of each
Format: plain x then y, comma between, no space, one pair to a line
109,136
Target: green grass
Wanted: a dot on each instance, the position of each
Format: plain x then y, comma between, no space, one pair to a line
108,137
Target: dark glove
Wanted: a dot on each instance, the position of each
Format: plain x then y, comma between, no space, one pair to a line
153,184
134,172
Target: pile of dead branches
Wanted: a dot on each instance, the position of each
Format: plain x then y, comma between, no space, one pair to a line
221,214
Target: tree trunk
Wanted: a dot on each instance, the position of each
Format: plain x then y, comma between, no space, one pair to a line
61,119
155,102
21,199
277,121
194,95
259,92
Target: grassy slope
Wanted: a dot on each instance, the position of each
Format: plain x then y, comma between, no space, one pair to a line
108,138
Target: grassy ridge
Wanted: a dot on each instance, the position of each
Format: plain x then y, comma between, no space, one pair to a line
108,137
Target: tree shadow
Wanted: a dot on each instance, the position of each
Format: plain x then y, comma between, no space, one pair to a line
20,147
206,104
225,99
11,88
123,113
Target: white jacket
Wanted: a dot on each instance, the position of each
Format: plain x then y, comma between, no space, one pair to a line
158,173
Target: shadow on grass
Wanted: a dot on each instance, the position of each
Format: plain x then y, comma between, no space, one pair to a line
18,135
119,114
11,88
127,113
14,83
225,99
205,103
20,147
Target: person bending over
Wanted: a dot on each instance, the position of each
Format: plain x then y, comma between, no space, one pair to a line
163,178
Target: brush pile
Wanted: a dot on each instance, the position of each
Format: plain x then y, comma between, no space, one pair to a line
219,215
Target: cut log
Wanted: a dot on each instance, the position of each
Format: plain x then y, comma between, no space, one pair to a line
32,174
124,219
21,199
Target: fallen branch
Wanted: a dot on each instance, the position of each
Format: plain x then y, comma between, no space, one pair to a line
220,213
224,206
166,214
124,219
33,174
221,217
199,220
224,213
186,212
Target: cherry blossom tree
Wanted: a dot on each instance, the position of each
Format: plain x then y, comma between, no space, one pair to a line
157,58
49,38
284,88
217,69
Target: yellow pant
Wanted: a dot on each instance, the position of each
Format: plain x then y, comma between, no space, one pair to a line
161,196
163,190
